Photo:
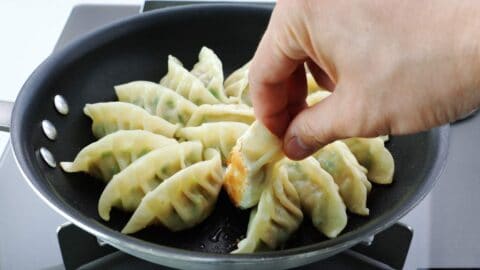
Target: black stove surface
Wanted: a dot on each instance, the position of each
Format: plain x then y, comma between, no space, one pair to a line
388,250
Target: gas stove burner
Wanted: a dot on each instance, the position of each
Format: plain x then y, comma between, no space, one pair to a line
388,250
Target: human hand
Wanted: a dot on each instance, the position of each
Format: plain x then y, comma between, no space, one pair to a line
395,67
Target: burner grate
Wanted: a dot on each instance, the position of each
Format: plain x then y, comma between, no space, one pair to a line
389,249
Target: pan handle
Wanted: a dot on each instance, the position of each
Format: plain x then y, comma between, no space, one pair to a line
6,108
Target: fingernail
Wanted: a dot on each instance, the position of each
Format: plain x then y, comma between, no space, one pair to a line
296,149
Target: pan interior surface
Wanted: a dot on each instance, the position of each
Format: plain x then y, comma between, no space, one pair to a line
137,49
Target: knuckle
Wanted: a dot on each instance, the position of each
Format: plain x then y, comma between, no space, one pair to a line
362,116
352,122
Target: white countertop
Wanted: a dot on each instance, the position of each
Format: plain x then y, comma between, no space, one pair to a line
29,30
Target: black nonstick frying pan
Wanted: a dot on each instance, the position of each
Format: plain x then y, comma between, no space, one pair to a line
137,49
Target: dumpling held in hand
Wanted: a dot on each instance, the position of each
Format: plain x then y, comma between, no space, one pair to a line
245,175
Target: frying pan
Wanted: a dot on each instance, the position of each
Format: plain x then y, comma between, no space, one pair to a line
136,49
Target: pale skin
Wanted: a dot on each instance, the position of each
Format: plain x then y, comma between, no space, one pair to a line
394,67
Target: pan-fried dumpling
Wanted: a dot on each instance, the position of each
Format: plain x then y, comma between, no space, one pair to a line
245,175
237,87
370,152
373,155
184,199
312,85
316,97
219,135
277,215
350,176
127,188
210,71
187,85
114,152
318,194
319,95
157,100
222,112
109,117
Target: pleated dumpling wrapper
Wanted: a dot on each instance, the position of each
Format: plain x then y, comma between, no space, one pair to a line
183,200
209,70
318,194
317,96
157,100
219,135
370,152
109,117
237,87
127,188
186,84
114,152
222,112
245,175
277,215
348,174
373,155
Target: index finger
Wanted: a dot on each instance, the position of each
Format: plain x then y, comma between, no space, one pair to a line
271,74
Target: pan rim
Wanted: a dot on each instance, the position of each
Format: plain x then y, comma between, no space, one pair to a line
156,252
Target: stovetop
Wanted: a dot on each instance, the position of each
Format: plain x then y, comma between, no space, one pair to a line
387,250
445,223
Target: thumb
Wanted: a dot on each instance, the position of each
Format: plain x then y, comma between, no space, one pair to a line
277,74
341,115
